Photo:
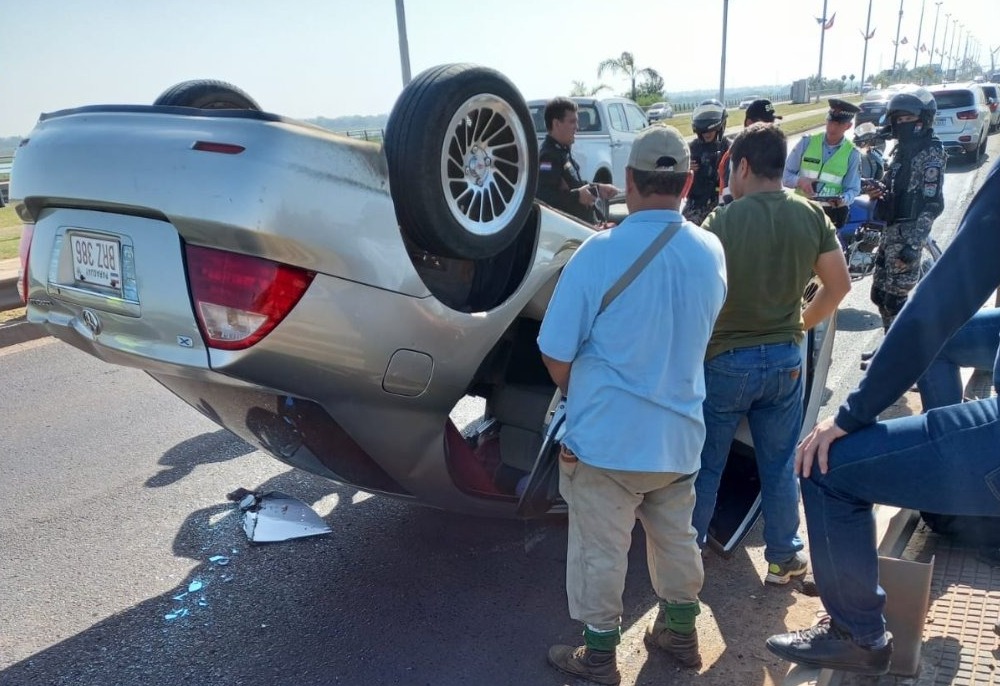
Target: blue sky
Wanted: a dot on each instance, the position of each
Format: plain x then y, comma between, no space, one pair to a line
306,58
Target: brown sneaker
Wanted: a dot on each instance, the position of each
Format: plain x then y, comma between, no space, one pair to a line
598,666
683,648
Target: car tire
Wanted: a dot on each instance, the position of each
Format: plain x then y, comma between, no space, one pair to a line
462,157
206,94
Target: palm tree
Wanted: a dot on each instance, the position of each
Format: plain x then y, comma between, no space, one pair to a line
626,65
581,89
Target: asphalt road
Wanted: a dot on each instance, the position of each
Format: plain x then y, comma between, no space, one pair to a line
113,498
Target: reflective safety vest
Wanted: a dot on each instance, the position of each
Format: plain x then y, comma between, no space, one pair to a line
829,175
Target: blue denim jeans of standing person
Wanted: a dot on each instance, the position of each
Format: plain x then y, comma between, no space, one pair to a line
764,384
946,460
975,346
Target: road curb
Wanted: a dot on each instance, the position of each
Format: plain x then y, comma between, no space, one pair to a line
9,299
19,331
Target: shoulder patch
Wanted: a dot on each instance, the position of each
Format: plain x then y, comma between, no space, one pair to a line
932,174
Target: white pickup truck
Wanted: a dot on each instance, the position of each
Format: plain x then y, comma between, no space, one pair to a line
606,131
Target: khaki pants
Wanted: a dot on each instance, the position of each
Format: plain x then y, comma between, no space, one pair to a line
603,506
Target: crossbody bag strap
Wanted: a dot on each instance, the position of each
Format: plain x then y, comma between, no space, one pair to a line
647,255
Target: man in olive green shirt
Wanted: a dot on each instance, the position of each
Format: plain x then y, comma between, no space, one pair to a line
774,241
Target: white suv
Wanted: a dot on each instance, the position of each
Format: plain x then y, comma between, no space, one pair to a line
963,119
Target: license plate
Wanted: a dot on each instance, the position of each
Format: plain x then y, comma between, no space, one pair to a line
96,261
942,121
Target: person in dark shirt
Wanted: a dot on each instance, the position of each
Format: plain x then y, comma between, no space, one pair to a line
559,181
945,460
759,111
708,121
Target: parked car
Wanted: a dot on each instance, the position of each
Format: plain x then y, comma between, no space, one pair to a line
963,119
746,102
327,299
604,136
873,107
660,110
990,90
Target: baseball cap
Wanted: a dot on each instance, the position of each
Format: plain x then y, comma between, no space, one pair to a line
841,110
660,147
762,110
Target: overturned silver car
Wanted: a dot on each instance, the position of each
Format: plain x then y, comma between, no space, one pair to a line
327,299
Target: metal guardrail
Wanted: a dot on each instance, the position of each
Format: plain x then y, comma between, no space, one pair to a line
374,135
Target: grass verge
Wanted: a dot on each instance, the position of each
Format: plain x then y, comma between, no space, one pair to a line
10,232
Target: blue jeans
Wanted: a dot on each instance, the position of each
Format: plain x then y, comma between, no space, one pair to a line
946,461
764,384
974,345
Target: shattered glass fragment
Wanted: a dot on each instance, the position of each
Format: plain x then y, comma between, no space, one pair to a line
195,586
220,560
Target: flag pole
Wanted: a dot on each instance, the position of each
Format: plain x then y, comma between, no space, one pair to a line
868,31
822,36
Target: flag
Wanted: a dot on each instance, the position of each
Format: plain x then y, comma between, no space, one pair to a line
828,24
923,47
904,41
867,36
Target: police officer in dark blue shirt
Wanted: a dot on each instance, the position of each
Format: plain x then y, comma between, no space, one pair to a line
559,182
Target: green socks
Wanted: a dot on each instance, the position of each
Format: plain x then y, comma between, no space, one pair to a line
678,617
605,641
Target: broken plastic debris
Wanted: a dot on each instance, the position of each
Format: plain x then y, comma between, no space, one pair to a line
220,560
176,614
195,586
274,516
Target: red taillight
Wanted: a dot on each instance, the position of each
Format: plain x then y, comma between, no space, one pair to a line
967,115
239,299
23,250
993,107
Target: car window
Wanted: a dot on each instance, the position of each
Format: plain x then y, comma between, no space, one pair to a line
590,120
947,100
990,91
635,118
616,113
538,117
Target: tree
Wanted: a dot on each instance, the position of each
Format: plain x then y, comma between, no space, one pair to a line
626,65
581,89
650,86
852,77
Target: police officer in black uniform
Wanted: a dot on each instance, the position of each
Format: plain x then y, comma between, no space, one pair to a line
559,181
913,199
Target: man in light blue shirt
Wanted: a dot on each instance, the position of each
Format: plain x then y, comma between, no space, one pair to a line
634,378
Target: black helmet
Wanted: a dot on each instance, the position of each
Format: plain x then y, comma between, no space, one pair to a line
912,100
709,115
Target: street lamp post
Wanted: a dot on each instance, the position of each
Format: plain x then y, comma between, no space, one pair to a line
722,68
957,45
965,53
951,48
822,36
934,32
944,40
404,46
920,32
868,32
